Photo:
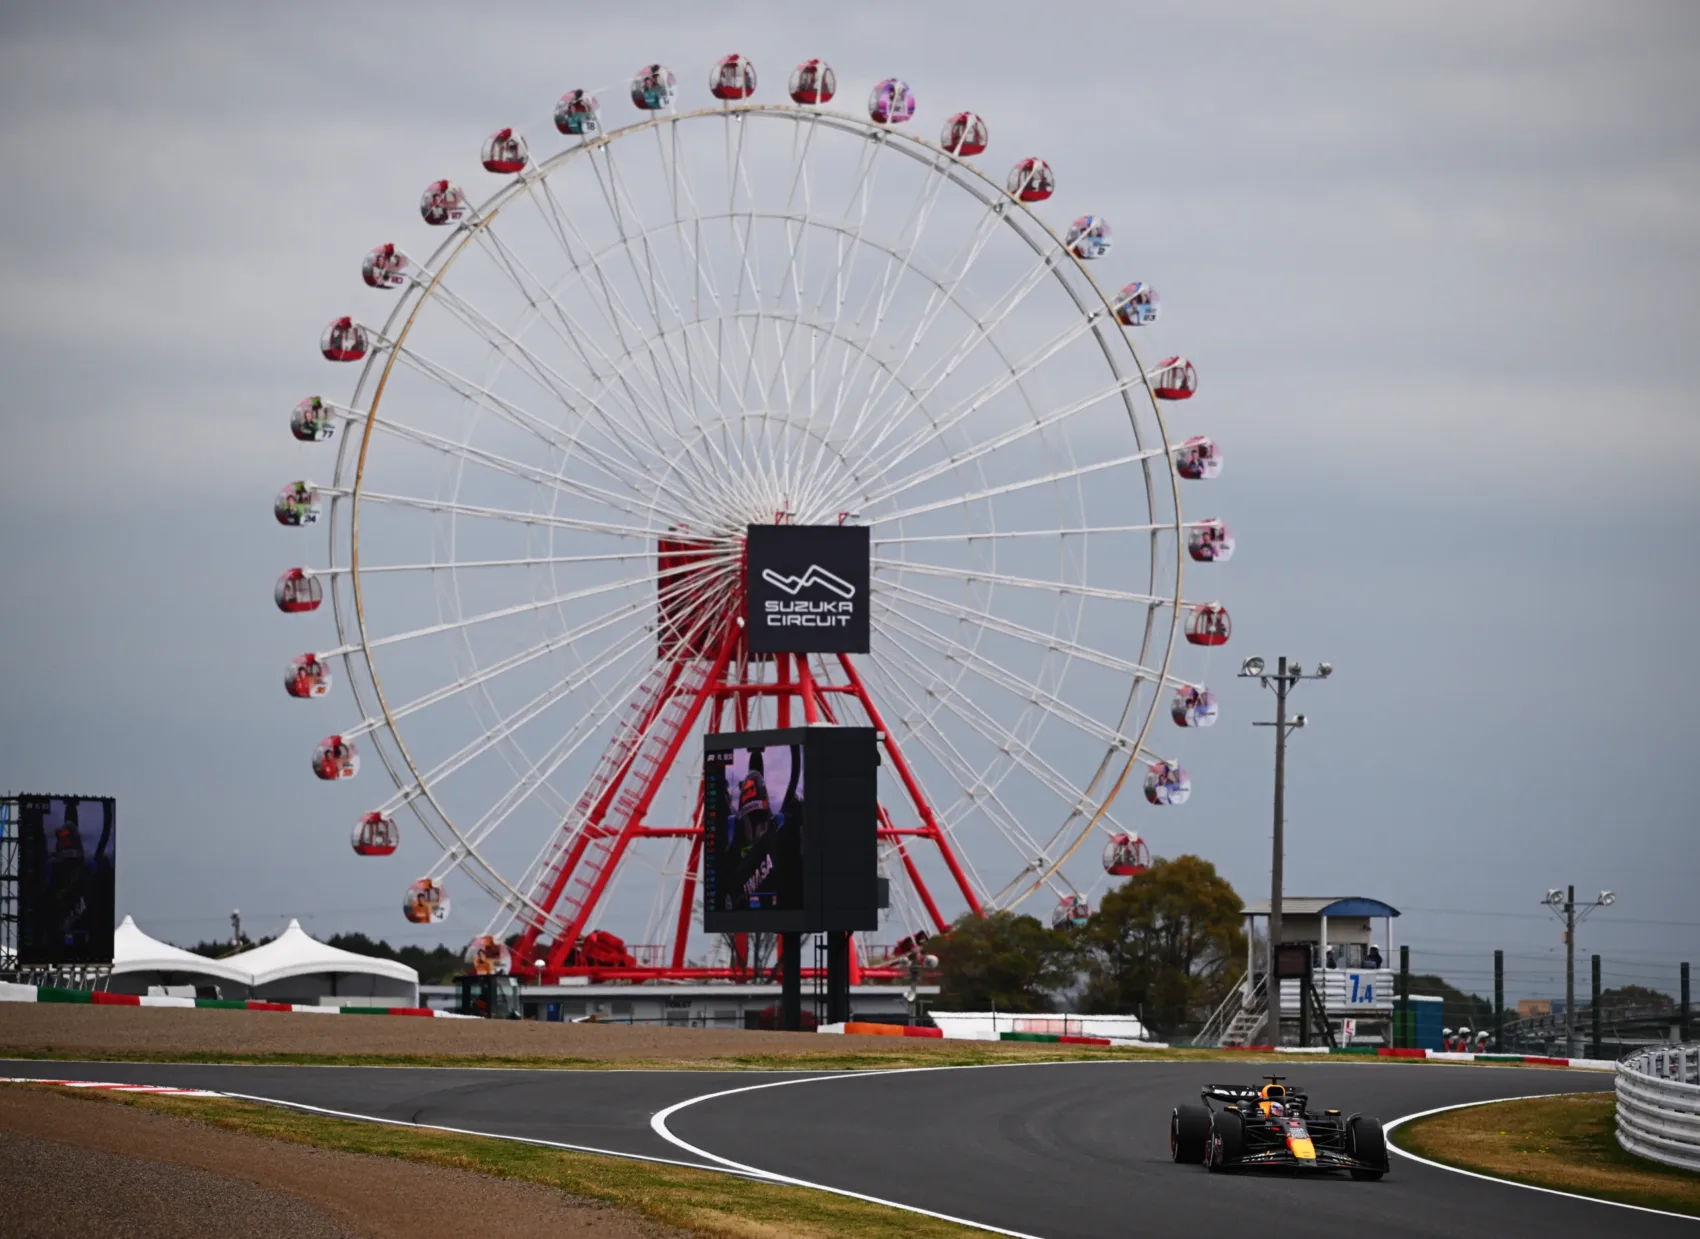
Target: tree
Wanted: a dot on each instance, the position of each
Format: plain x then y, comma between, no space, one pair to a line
1625,997
1163,944
1001,962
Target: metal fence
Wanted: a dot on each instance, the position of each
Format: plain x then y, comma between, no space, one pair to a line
1658,1105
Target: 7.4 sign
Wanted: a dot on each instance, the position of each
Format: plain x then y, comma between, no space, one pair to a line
807,589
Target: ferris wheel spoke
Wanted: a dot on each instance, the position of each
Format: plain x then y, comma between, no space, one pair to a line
508,725
565,326
738,176
511,515
971,404
836,286
936,744
896,267
943,294
796,259
568,394
655,410
1083,806
1013,435
1060,588
612,195
634,504
994,674
539,772
977,793
726,570
498,669
1034,636
993,492
457,565
994,535
502,408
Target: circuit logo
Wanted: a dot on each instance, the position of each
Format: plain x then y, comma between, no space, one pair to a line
814,575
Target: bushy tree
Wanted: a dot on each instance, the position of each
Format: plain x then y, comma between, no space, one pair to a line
1624,997
1001,962
1164,944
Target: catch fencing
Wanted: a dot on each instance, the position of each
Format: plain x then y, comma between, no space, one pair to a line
1658,1105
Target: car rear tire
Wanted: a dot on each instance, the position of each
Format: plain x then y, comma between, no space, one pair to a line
1189,1134
1366,1142
1227,1142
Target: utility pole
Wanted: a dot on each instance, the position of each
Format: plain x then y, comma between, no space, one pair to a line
1287,675
1564,906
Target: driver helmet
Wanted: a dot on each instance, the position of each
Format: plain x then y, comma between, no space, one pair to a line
1276,1109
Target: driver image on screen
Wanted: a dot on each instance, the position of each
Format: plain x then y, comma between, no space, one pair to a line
761,856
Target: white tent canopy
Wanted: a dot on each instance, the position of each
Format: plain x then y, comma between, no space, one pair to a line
140,961
294,967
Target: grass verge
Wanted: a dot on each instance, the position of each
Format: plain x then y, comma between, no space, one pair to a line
1568,1143
699,1201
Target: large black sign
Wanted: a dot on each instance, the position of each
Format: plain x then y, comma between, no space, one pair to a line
807,587
66,887
790,830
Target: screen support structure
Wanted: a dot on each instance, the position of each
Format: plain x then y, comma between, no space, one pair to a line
706,679
8,882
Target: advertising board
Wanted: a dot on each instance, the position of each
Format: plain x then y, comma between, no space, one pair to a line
807,589
66,879
790,830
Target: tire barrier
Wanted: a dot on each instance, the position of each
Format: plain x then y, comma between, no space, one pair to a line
1658,1105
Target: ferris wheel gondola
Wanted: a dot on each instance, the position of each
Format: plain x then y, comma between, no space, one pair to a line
718,317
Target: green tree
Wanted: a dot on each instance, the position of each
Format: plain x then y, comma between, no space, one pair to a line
1624,997
1001,962
1163,944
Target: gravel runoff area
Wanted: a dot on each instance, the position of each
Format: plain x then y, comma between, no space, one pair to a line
78,1031
71,1168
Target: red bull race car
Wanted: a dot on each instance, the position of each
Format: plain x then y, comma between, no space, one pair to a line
1241,1127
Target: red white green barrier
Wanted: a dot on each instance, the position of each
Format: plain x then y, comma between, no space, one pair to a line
10,992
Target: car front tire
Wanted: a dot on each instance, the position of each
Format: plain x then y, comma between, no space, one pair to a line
1366,1142
1189,1134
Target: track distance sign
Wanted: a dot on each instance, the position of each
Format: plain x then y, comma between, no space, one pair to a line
807,587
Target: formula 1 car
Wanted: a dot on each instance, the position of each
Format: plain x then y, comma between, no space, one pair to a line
1273,1126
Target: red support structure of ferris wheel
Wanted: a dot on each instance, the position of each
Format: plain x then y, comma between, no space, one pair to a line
704,668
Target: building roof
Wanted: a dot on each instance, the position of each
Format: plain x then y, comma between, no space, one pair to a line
135,951
294,954
1338,905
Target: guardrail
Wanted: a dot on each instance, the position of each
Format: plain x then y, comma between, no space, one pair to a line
1658,1105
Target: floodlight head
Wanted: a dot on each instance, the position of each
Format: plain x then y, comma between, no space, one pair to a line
1295,669
1324,670
1252,666
1607,898
1298,720
929,961
1554,897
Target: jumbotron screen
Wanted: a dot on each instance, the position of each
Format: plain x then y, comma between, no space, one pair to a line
66,879
753,813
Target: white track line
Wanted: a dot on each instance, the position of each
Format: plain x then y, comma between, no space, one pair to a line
1550,1191
658,1123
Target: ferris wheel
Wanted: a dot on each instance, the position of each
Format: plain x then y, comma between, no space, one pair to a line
663,325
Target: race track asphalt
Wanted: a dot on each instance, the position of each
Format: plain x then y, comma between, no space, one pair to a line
1060,1150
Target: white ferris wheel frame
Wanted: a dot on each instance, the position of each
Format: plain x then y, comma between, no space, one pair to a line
415,785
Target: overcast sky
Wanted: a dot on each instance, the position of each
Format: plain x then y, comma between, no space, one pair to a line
1437,271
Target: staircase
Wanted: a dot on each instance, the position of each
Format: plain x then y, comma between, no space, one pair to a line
1239,1020
1243,1028
646,765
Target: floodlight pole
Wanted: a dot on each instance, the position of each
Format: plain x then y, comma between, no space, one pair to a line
1571,913
1285,679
